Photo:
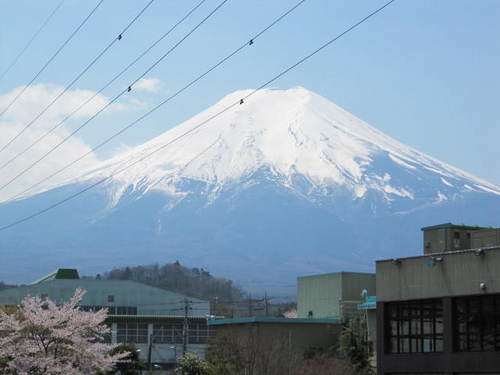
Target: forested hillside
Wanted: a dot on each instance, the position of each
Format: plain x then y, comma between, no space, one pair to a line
193,282
4,286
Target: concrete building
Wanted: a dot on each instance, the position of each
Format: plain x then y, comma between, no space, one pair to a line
155,320
292,336
332,295
439,313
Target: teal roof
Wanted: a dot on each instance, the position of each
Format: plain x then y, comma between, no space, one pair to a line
370,303
451,225
149,300
264,319
149,317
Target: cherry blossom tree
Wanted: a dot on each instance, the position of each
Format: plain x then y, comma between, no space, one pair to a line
44,338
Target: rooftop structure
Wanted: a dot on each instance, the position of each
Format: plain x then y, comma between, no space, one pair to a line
451,237
61,273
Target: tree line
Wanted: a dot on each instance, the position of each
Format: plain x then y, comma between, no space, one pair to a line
193,282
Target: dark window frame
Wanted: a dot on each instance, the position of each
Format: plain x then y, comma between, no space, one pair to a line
415,326
476,323
132,332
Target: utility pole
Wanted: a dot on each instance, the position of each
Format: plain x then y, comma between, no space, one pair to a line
266,303
150,348
250,307
185,327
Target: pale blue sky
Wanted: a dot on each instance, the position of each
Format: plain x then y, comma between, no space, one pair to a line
426,72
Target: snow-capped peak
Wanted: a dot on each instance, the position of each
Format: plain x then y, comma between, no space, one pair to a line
289,133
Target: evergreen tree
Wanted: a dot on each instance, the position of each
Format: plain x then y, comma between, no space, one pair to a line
355,348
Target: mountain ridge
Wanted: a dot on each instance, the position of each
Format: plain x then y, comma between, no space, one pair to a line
288,183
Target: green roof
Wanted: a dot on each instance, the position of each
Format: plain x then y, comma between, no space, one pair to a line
60,274
264,319
457,226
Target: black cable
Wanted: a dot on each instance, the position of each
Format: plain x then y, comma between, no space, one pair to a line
239,102
99,55
162,103
140,56
114,99
51,59
25,48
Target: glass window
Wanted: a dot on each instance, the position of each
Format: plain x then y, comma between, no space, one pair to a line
172,333
167,333
477,323
131,310
415,326
136,333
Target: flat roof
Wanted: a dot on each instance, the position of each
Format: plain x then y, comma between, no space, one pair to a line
457,226
337,273
152,316
447,253
265,319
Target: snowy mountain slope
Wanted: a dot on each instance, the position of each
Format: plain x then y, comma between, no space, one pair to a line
291,133
287,182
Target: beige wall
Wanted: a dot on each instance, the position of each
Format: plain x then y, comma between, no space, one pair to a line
319,294
332,295
459,273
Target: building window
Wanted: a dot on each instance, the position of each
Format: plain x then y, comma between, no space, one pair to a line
126,310
91,308
111,299
415,326
136,333
112,310
477,323
167,333
200,333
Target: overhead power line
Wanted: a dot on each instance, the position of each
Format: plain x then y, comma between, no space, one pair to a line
78,76
109,83
51,58
249,42
25,48
128,89
227,108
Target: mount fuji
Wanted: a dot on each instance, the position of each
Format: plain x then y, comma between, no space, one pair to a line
285,184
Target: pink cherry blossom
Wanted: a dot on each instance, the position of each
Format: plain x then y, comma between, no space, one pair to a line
41,337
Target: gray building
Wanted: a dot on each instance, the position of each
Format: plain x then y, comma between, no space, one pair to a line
332,295
155,320
439,313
